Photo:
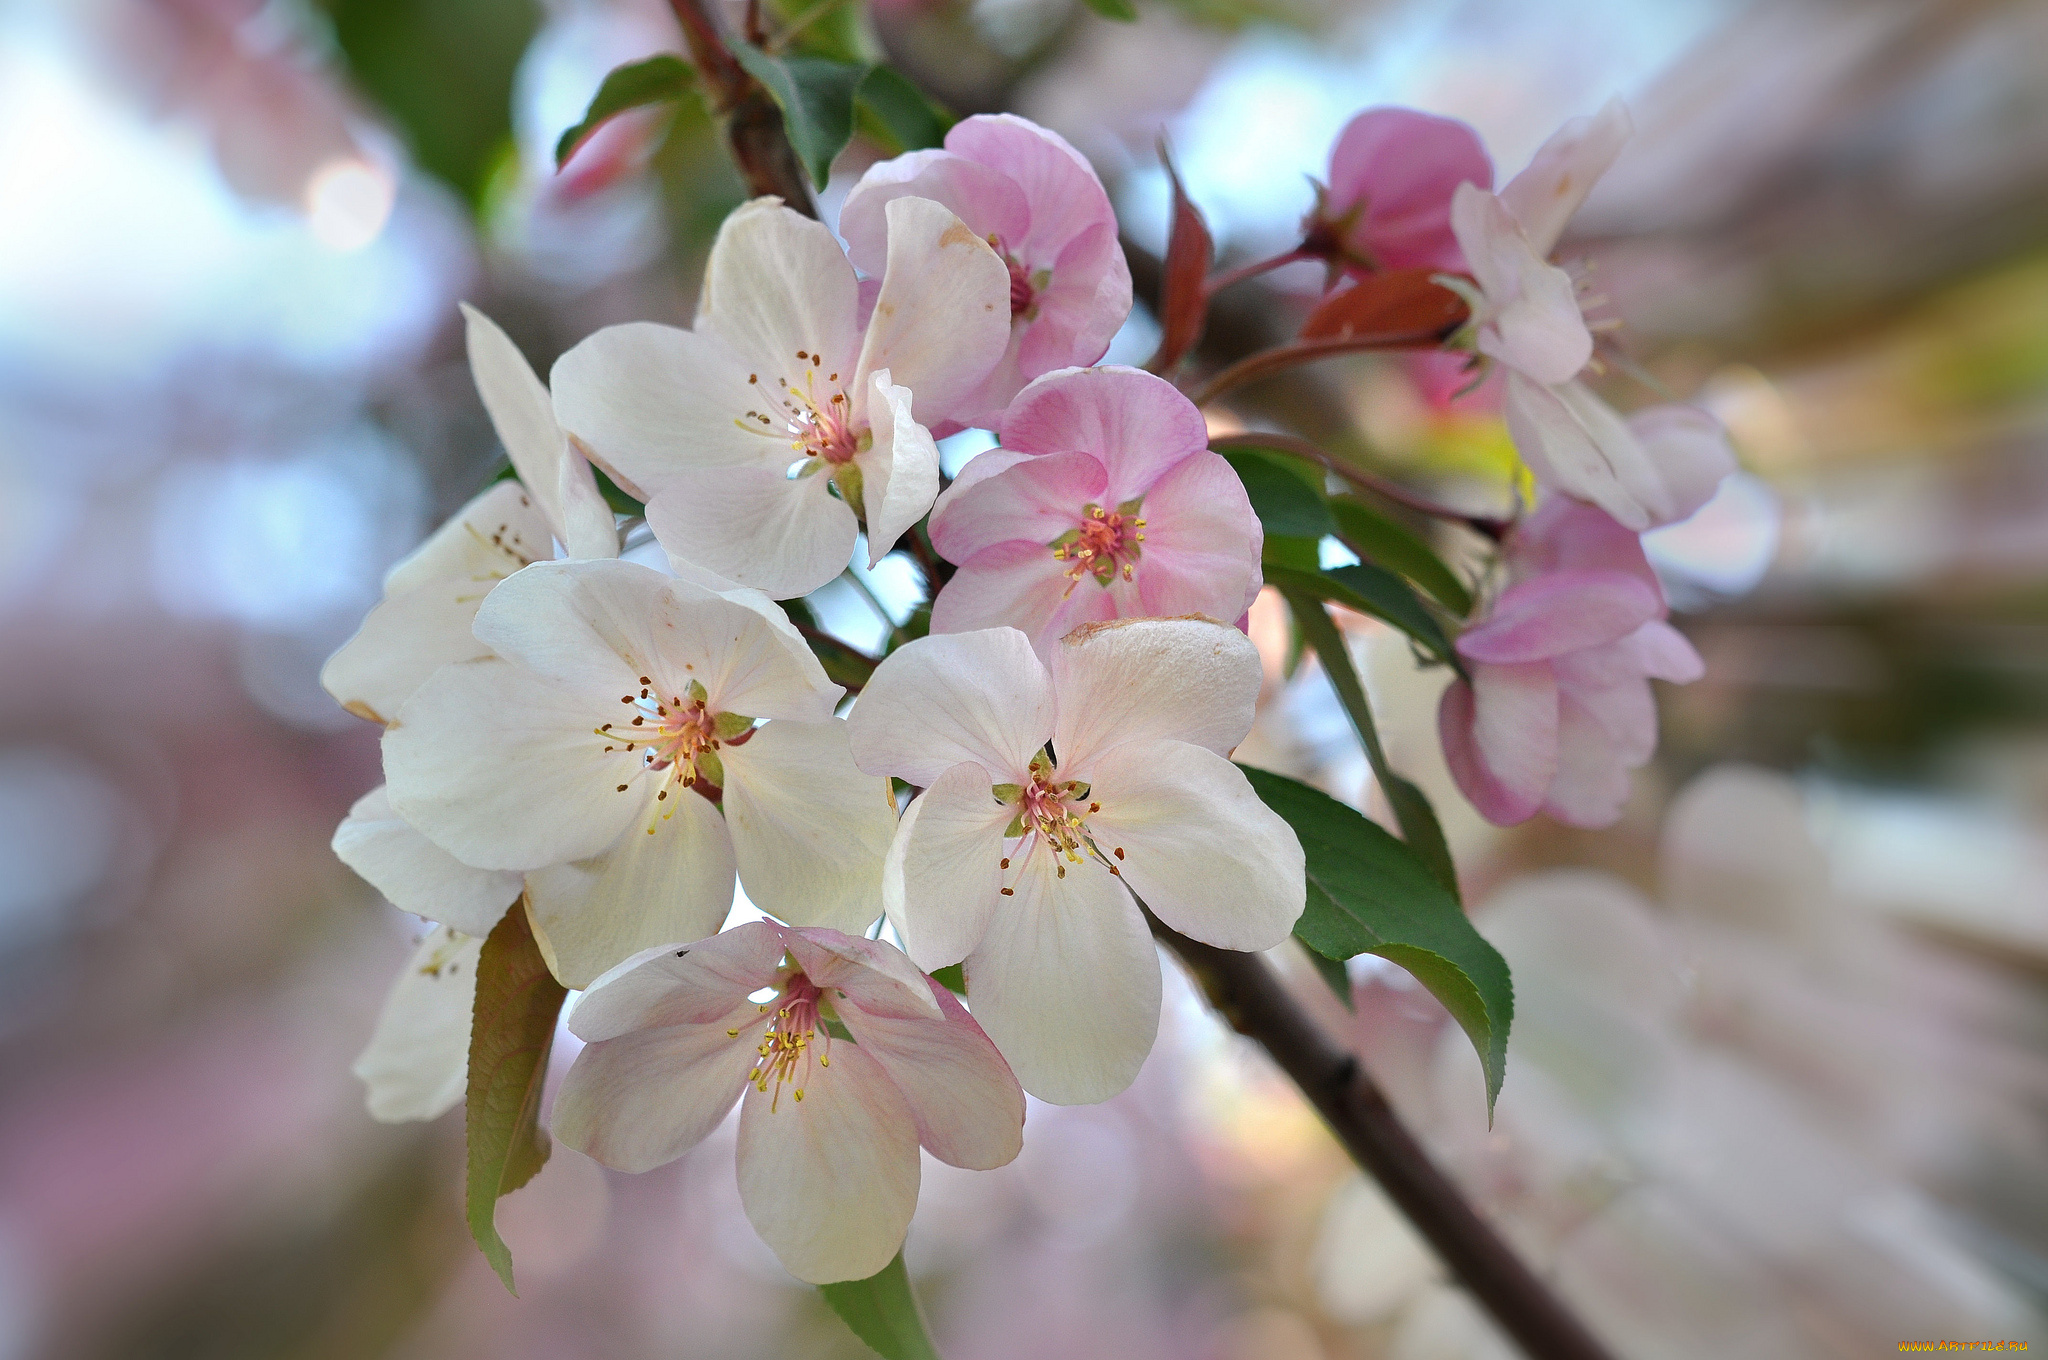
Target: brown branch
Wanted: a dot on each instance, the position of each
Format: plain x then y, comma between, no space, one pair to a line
1246,992
1308,351
752,121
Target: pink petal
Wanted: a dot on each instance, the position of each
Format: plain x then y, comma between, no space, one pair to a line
942,319
1137,424
1570,534
1202,542
1065,197
871,975
1663,653
1609,684
1402,167
967,1105
1563,171
979,469
1559,612
988,201
1690,451
1019,585
1034,500
688,985
1592,773
648,1096
1500,739
1531,321
980,697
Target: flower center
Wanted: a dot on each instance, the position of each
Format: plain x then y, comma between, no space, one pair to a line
1052,813
785,1050
677,740
1022,293
813,413
1105,545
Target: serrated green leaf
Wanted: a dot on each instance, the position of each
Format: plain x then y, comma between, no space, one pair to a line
1369,590
816,97
1378,539
1286,505
656,80
1369,894
897,114
1417,819
511,1031
1123,11
883,1312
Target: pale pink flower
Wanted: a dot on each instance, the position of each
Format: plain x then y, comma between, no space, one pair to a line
1038,202
1653,468
1022,859
1103,502
1559,708
1388,202
829,1128
761,439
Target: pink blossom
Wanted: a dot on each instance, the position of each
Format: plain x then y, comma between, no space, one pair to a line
1559,709
829,1127
1038,202
1103,502
1392,174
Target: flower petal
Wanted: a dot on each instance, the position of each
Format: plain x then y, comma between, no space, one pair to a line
1689,451
643,890
899,470
979,469
648,1096
1191,680
777,285
1592,777
654,402
1566,533
1034,500
1066,198
1202,542
1563,171
1663,653
871,974
1398,169
1500,738
500,768
416,1064
809,830
1558,612
830,1181
689,985
1575,442
943,316
1020,585
1196,845
943,877
756,527
967,1105
418,876
402,641
978,696
1533,324
497,533
1067,983
1137,424
524,415
987,200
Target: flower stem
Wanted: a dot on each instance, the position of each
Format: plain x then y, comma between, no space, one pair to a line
1247,993
1308,351
1218,282
896,633
748,113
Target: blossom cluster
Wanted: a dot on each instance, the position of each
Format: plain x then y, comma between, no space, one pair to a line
609,747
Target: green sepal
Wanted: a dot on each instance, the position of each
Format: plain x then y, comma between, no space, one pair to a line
1007,793
711,768
729,725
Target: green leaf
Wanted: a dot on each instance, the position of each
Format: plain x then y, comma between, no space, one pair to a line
653,81
1334,974
1417,819
816,96
511,1031
1285,504
953,977
898,115
1120,10
1378,539
1369,894
1370,590
883,1312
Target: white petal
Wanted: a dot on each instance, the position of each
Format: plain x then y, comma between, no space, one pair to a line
756,527
1193,680
944,875
943,316
899,471
1592,773
968,1107
646,1097
1563,171
1067,983
670,887
524,415
403,640
1200,849
830,1181
1689,451
497,533
1576,443
689,985
981,696
416,1064
418,876
504,771
1533,324
598,627
776,285
808,828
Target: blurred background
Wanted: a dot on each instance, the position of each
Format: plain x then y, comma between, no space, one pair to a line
1779,1082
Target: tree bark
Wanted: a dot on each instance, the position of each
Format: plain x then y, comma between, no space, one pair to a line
748,113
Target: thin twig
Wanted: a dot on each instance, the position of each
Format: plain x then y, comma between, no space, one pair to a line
1246,992
1368,482
752,121
896,633
1218,282
1307,352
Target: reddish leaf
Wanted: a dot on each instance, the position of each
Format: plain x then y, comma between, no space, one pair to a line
1184,295
1403,302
